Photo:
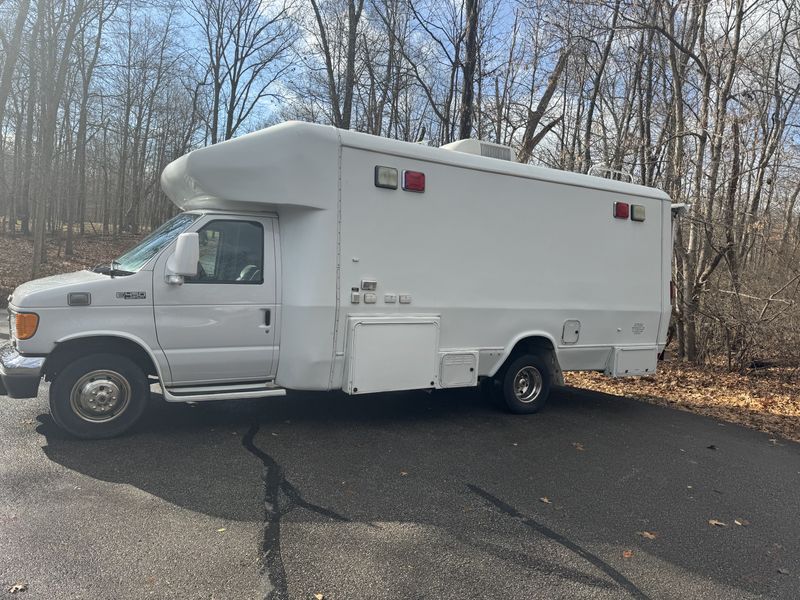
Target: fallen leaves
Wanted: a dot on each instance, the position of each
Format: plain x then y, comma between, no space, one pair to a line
545,500
648,535
16,257
18,587
742,522
578,446
767,402
783,571
716,523
627,553
403,473
319,596
221,529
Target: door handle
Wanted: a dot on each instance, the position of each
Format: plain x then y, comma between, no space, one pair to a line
267,317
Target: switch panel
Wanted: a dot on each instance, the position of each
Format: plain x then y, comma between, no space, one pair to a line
405,298
390,298
370,298
355,297
369,285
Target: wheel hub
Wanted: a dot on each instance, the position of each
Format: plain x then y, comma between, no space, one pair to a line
527,384
100,396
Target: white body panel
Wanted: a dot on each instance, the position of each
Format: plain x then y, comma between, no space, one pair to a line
492,252
496,256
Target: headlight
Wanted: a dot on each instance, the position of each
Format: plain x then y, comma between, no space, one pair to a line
22,326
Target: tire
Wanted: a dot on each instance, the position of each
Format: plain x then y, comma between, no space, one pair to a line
99,396
526,384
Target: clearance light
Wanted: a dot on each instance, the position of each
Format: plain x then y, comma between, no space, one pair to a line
386,177
637,212
413,181
25,325
621,210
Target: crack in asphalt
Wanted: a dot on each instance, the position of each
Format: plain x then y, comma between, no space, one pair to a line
274,483
598,562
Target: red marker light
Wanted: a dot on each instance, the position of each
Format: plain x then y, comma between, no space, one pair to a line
413,181
621,210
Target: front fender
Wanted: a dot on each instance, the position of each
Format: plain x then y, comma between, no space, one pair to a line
157,355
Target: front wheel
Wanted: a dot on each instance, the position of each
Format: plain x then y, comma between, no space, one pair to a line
526,384
99,396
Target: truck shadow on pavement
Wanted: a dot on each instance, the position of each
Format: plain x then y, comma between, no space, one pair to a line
590,467
191,455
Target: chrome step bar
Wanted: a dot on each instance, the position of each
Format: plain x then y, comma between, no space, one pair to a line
237,391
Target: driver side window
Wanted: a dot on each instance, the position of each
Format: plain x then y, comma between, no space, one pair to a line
230,252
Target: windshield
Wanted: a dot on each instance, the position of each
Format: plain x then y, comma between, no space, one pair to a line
135,258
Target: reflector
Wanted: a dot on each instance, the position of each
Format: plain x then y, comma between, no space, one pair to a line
637,212
621,210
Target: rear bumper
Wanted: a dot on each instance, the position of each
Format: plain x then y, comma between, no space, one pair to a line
19,375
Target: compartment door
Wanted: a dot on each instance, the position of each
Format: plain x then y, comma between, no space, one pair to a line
386,354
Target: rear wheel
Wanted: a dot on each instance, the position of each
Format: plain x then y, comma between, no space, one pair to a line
526,384
99,396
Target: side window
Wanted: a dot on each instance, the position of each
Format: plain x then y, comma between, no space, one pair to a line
230,252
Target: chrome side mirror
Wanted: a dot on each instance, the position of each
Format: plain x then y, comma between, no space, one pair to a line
183,262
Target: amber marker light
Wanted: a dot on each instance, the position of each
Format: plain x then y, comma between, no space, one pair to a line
25,325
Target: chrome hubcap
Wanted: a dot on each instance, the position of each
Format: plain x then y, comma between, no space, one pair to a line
527,384
100,396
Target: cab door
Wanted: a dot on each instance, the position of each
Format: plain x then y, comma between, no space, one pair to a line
219,326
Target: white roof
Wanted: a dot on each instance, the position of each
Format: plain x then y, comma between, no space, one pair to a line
296,164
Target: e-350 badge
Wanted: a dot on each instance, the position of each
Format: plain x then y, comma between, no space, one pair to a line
132,295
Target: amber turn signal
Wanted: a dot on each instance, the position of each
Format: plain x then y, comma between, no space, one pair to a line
25,325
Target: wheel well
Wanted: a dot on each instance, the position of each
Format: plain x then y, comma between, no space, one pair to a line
535,344
532,345
66,352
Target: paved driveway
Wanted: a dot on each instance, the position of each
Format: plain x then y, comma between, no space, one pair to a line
407,495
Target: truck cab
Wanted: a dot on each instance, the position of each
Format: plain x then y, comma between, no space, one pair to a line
200,318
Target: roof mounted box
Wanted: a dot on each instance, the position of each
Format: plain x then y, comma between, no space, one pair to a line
481,148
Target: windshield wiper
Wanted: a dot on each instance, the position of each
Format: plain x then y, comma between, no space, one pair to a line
111,270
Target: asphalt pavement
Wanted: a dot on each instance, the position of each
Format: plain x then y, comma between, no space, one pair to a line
404,495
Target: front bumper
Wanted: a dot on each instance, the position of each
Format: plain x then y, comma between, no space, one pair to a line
19,375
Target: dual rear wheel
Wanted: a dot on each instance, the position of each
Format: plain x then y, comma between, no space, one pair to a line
523,386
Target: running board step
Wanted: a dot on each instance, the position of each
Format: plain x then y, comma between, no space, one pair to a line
222,392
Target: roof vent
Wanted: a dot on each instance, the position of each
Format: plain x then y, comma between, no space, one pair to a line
480,148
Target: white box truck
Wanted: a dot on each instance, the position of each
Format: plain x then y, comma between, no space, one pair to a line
311,258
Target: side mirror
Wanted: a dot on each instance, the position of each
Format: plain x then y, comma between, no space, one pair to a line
183,262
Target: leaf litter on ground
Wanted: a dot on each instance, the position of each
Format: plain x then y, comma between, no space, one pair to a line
767,400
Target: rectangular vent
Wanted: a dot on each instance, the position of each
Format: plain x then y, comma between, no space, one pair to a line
494,151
